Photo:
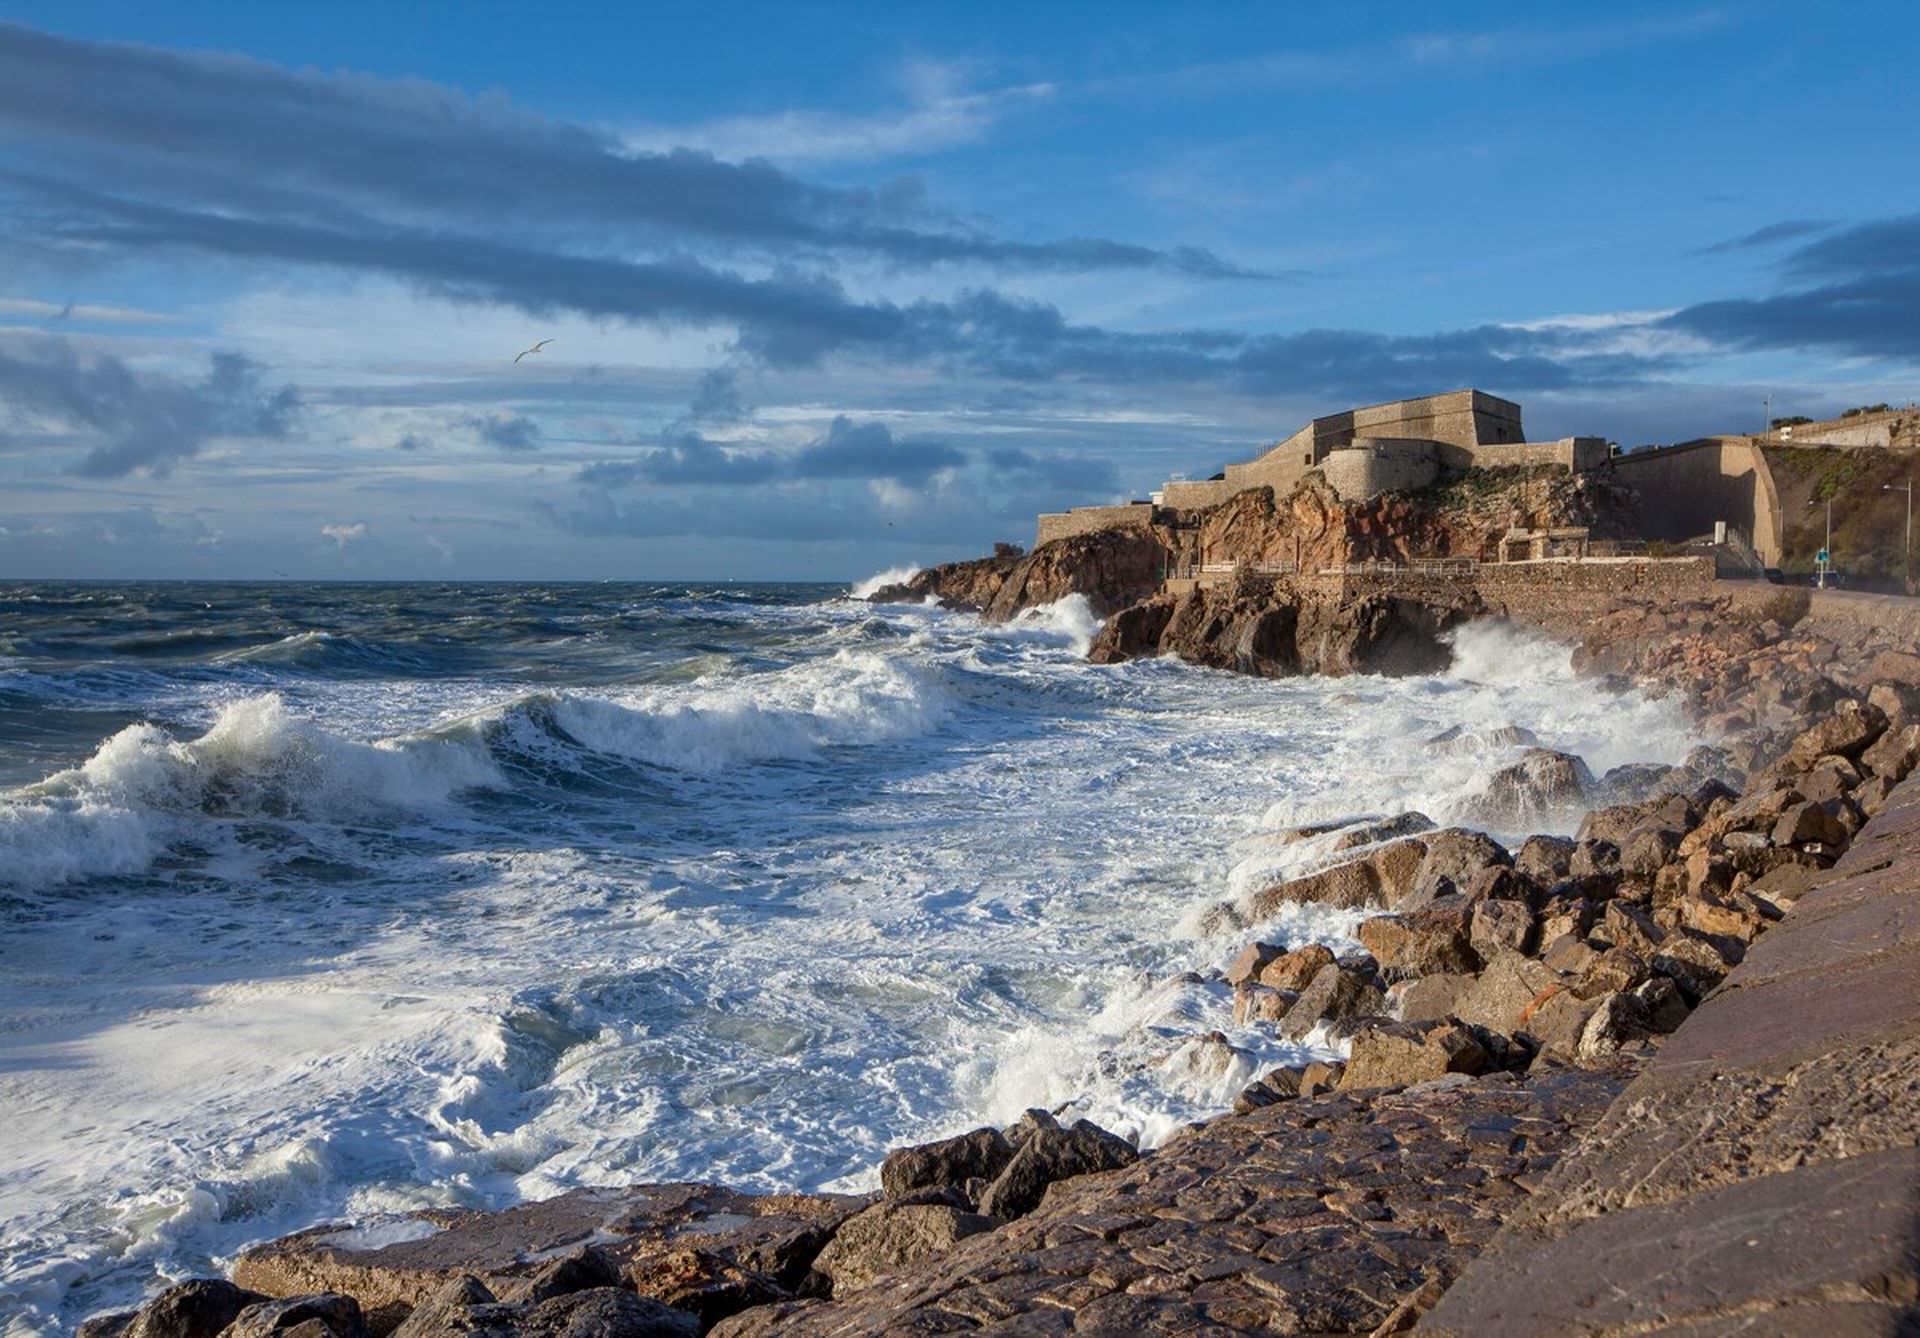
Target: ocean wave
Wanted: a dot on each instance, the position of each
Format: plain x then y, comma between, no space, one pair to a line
883,579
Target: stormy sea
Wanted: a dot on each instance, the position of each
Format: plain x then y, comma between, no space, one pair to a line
326,901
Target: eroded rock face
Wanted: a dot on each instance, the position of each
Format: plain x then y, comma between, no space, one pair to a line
947,1164
1542,788
1111,568
889,1236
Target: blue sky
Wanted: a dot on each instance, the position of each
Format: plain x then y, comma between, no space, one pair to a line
838,288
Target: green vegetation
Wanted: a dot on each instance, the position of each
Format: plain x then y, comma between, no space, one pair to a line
1867,408
1460,491
1869,522
1786,607
1794,421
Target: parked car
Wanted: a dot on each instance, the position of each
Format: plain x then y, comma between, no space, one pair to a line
1774,576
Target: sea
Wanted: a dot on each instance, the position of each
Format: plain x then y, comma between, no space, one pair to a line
325,902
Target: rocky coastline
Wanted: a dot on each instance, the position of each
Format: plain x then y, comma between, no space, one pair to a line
1506,998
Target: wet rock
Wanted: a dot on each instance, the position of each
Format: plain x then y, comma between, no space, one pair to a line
1396,1054
947,1163
1450,859
1378,879
332,1313
1539,789
460,1305
1257,1003
1417,943
1610,824
1133,633
1336,994
1595,866
1636,782
110,1325
1646,849
1410,823
1459,741
1049,1153
1206,1058
1247,964
1294,971
1321,1076
199,1308
604,1312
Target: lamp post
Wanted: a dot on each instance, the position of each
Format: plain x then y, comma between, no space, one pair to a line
1826,549
1906,552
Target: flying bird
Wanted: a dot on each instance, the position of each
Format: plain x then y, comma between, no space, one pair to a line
535,349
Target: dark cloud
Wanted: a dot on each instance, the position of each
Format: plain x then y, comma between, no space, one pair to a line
1866,289
717,398
686,457
853,450
251,139
1772,235
507,431
1081,475
410,442
135,421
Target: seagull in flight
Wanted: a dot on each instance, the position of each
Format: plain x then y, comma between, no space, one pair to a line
535,349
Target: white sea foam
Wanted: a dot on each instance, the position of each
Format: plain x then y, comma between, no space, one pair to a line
757,926
880,580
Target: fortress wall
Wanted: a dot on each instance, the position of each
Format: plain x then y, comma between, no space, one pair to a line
1372,466
1853,434
1574,453
1685,489
1195,493
1089,519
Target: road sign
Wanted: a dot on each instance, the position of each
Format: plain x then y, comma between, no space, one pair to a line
1821,556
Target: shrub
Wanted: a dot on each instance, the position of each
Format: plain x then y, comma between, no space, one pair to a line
1786,607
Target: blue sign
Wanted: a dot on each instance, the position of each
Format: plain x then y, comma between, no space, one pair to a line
1821,556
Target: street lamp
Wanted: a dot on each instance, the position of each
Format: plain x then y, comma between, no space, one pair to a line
1826,549
1906,554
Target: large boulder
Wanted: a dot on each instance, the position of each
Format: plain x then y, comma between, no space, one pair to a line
321,1315
1401,1053
1894,754
1846,730
1506,989
1337,994
1542,788
1378,879
1434,939
1294,971
946,1164
1046,1153
1450,860
889,1236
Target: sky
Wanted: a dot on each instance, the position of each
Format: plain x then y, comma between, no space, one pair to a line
832,289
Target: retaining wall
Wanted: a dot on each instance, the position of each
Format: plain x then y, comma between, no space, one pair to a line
1684,489
1088,520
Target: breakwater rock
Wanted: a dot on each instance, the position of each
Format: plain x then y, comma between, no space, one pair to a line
1111,568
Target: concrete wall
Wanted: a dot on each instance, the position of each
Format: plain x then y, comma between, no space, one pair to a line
1574,453
1089,519
1372,466
1685,489
1894,427
1191,494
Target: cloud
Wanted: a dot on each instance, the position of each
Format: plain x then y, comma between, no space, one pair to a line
687,457
717,398
135,421
508,432
342,535
1079,474
1772,235
1865,290
412,441
852,450
258,143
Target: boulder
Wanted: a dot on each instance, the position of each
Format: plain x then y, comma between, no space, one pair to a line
1499,924
945,1164
1809,823
1321,1076
1418,943
1646,849
460,1305
1846,730
1894,754
199,1308
1695,963
1458,740
1662,1005
1248,962
1595,865
1538,790
604,1312
1618,1020
1132,633
1899,702
889,1236
1048,1153
1429,997
1336,994
1611,823
329,1312
1378,879
1506,989
1410,823
1294,971
1449,860
1896,666
1625,926
1281,1084
1612,972
1570,955
1566,915
575,1271
1257,1003
1556,1021
1544,860
707,1286
1398,1054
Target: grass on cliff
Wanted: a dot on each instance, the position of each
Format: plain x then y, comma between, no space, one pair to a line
1869,523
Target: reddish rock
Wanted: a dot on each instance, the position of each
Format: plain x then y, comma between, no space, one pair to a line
1294,971
1418,943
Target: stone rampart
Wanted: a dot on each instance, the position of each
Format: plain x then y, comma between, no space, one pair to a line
1684,489
1195,494
1885,429
1090,519
1372,465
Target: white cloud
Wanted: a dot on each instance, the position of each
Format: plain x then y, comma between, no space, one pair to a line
940,114
343,535
72,311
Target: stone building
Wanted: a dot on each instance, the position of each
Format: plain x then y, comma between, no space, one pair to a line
1395,447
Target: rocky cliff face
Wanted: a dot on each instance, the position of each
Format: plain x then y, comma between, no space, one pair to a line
1112,568
1275,632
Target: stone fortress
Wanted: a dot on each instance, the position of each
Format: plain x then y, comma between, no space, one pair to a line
1401,446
